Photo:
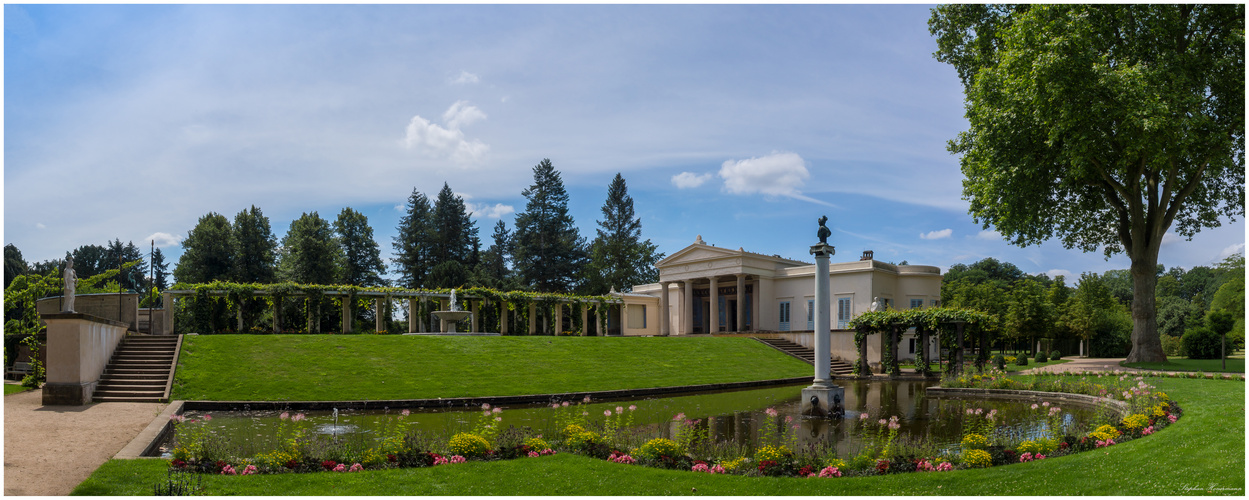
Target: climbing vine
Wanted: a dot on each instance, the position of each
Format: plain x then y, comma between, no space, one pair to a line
932,319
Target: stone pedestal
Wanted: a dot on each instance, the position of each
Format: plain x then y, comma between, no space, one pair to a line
828,402
79,347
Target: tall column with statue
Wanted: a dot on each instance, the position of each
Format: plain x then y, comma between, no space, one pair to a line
822,398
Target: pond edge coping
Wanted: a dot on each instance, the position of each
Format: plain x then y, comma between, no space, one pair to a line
147,440
1064,397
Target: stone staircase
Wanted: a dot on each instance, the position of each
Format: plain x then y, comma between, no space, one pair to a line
838,367
141,370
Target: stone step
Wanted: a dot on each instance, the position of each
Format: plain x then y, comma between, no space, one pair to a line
142,361
133,381
144,389
127,399
138,370
156,394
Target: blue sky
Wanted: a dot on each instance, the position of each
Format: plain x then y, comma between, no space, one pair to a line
740,123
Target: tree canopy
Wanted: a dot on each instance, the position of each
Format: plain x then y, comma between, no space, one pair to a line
618,256
548,251
207,251
362,258
1102,125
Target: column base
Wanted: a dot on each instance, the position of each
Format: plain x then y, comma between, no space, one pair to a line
68,394
823,401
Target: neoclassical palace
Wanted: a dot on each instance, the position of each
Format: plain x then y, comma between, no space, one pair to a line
704,288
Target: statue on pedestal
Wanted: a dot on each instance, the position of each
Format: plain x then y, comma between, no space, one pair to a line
823,233
875,304
71,282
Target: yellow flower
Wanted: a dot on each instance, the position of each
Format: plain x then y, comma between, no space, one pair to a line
975,442
977,458
773,453
468,445
1134,422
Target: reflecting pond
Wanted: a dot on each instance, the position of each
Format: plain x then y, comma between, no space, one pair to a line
727,416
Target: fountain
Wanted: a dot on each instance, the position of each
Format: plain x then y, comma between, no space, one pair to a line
453,316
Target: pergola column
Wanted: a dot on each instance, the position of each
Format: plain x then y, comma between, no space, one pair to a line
168,303
558,310
713,322
663,308
380,305
473,307
277,314
348,320
420,318
533,317
585,318
741,302
413,312
687,316
503,317
238,316
598,321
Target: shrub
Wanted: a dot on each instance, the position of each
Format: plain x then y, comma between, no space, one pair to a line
1171,345
468,445
1021,360
1201,343
773,453
659,447
537,444
1104,433
999,362
977,458
1009,360
1135,422
1040,357
975,442
1055,355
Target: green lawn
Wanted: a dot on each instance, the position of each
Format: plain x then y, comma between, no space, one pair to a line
13,389
358,367
1178,364
1010,367
1204,453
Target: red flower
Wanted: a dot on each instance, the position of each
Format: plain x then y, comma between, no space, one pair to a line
766,463
179,463
221,465
1063,445
882,466
390,457
291,464
805,470
328,464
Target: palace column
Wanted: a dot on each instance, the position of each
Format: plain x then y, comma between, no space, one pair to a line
664,313
713,322
687,319
741,302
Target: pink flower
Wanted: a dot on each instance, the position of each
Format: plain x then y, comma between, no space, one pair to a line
356,467
1039,456
406,413
971,411
1025,457
830,471
1172,418
177,418
533,454
700,468
440,461
555,405
498,419
771,412
882,421
228,470
679,416
547,451
340,468
923,465
564,404
284,416
1147,431
298,417
249,470
894,426
1045,403
497,410
716,469
485,413
457,459
863,416
811,474
1034,406
485,406
979,410
207,417
944,466
633,407
606,413
619,410
586,399
789,418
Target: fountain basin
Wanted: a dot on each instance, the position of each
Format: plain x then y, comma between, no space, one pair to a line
450,318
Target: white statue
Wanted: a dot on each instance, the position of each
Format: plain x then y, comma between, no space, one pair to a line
875,304
71,281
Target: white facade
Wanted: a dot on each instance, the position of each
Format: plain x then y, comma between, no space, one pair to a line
767,293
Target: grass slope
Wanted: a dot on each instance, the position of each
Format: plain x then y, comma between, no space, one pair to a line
1204,453
357,367
1178,364
13,389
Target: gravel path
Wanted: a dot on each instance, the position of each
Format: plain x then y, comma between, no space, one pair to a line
49,450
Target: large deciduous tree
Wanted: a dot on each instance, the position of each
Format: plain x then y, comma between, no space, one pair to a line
14,264
362,259
310,253
207,252
618,256
549,252
254,248
1102,125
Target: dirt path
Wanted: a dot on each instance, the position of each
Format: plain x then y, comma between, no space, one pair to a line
49,450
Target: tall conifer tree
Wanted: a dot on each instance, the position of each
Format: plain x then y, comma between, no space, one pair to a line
310,253
549,253
362,265
413,241
618,256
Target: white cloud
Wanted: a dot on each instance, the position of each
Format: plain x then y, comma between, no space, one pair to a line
1231,250
437,141
1067,275
465,78
164,239
490,212
936,235
989,235
778,174
686,180
39,225
400,208
461,114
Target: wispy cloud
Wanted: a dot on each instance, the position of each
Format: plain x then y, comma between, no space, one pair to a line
936,235
164,239
688,180
778,174
989,235
447,142
39,225
1067,275
1231,250
464,78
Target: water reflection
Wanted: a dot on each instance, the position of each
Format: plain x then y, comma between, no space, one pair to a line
736,417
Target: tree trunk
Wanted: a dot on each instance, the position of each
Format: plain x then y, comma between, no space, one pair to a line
1146,345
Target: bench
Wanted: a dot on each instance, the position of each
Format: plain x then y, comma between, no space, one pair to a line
20,368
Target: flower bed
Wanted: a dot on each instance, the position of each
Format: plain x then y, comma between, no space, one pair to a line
686,444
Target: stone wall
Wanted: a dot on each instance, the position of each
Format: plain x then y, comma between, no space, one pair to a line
100,305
